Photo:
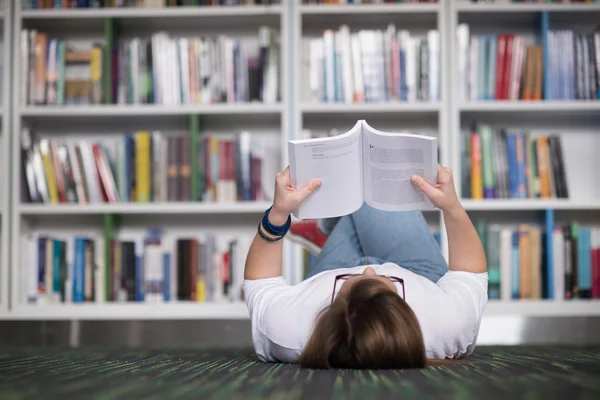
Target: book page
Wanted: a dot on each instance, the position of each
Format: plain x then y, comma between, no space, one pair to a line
389,162
336,161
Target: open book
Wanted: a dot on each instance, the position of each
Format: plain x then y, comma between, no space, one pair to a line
363,165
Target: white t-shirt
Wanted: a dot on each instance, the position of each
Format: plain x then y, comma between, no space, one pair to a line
448,312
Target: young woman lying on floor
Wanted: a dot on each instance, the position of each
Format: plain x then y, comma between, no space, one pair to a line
380,294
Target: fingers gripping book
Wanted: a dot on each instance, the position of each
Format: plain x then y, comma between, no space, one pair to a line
363,165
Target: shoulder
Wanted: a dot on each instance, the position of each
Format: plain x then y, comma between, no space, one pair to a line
281,316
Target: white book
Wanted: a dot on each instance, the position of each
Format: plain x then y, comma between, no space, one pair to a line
329,55
505,263
474,69
154,276
347,62
462,40
184,65
558,266
25,82
433,41
315,54
31,277
358,86
363,165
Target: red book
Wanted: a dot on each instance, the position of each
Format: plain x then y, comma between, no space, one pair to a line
104,177
498,93
58,172
596,268
508,55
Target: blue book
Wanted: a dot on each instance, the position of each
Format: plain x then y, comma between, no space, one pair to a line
42,265
548,267
139,278
56,267
521,177
491,77
511,152
79,270
166,286
514,266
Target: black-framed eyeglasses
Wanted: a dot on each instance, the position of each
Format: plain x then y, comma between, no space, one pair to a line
344,277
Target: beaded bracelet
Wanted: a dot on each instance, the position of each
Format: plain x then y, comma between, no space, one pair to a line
274,229
270,232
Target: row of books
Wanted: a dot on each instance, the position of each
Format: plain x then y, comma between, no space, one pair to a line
41,4
159,70
152,269
573,65
365,1
372,66
144,167
565,66
498,67
512,164
519,259
536,1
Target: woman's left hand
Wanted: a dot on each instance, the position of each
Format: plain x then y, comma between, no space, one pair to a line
287,199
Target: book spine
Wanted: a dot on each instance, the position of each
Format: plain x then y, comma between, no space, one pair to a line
476,173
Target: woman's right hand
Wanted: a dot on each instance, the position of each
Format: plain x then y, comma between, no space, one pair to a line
442,194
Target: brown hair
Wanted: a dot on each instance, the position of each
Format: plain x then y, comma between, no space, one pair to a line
368,327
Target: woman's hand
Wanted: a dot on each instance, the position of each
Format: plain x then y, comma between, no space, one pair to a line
287,199
442,195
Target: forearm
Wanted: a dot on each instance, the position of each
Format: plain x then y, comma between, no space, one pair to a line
466,252
264,257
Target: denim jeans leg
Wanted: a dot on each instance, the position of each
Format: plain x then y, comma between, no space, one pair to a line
402,238
341,249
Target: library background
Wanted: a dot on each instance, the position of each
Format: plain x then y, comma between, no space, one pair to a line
140,140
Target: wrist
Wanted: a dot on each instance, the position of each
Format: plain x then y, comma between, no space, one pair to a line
278,217
455,211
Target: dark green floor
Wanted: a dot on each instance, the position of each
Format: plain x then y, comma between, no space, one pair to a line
493,373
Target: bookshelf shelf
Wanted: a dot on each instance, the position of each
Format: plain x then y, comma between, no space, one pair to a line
369,9
468,7
129,311
372,108
143,209
531,106
528,204
166,12
543,308
151,110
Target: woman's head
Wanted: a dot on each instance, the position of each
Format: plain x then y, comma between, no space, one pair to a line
367,326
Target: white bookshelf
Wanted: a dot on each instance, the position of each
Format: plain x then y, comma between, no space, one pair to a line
266,121
578,122
5,22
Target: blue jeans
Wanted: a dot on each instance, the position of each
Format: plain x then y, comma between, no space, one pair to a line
369,236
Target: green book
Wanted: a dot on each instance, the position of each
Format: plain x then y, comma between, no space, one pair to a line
493,261
487,162
60,87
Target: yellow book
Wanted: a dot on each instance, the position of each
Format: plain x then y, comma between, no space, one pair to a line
200,290
524,262
476,172
142,167
96,74
536,262
49,170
